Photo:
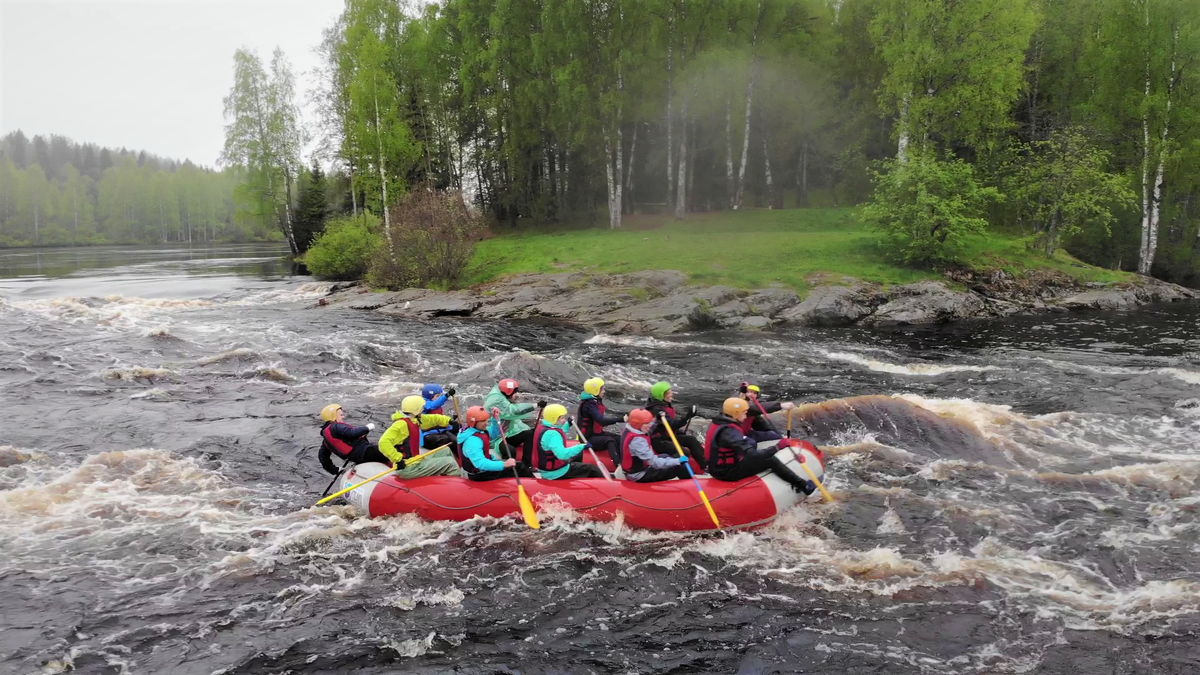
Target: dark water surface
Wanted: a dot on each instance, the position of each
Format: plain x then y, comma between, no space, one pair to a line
1016,497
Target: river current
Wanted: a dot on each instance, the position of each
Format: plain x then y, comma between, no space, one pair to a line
1013,497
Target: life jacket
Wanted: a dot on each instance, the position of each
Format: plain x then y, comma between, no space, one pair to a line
748,425
631,463
436,411
722,458
546,461
487,445
590,424
657,406
338,446
412,447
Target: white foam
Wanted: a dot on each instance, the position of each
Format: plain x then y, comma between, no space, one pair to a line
916,369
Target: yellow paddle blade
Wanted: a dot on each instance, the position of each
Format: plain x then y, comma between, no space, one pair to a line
711,512
817,481
527,509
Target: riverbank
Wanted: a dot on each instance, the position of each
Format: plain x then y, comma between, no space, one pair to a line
752,271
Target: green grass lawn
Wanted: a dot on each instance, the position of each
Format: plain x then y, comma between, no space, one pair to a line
747,249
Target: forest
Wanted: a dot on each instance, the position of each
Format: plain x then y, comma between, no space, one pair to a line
1071,121
56,192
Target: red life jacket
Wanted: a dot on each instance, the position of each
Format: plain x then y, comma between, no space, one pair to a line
434,412
747,425
590,424
338,446
546,461
631,463
724,458
412,447
487,446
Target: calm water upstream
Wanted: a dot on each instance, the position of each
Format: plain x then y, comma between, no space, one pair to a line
1016,497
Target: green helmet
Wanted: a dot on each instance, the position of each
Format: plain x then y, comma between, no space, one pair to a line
660,389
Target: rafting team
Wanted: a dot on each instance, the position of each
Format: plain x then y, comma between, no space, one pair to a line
494,441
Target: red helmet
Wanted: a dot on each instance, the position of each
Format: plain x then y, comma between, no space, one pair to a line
508,386
476,414
640,417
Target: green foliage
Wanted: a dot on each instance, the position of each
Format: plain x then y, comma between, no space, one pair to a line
1062,186
432,243
345,249
311,211
924,207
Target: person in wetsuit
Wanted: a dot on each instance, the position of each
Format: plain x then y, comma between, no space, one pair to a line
404,440
551,456
757,425
732,456
479,462
660,403
346,441
594,416
517,433
638,459
435,402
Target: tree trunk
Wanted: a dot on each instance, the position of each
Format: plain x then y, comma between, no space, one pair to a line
729,185
387,219
670,111
681,175
741,179
902,144
802,176
1152,193
767,166
627,199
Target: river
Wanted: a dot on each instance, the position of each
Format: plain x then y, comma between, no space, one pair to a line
1014,497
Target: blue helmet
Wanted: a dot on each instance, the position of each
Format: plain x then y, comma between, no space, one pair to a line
431,391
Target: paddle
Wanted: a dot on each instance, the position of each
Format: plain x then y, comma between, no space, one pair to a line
335,478
800,458
523,500
604,470
703,497
407,463
789,418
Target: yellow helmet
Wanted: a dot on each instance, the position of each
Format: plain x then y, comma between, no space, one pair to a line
412,405
553,413
735,407
329,412
593,386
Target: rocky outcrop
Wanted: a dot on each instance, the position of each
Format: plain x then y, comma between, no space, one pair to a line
660,302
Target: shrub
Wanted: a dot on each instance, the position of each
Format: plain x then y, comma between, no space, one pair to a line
343,251
433,241
922,208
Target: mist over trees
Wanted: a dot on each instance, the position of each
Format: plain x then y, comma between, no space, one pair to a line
57,192
547,111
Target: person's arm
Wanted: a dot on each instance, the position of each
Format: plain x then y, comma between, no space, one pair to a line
397,434
326,461
348,432
554,443
733,438
434,422
437,402
607,419
641,448
473,450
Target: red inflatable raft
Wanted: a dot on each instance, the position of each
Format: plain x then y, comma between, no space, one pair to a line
671,505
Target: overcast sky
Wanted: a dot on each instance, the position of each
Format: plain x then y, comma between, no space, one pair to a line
148,74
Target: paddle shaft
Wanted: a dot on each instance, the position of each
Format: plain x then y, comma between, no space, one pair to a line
335,478
703,497
603,469
523,501
407,463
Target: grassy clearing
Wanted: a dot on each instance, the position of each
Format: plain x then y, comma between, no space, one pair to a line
796,248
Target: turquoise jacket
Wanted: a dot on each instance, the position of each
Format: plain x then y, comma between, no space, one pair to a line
554,443
511,414
471,444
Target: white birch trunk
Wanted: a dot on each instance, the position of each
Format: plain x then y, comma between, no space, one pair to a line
681,189
729,151
767,169
670,111
618,193
608,172
1156,196
1145,243
741,179
387,220
629,171
902,144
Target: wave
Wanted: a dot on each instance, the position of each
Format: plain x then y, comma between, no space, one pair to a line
136,373
918,369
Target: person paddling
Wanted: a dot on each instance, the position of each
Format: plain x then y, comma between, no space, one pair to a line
345,440
475,441
732,456
662,401
551,455
512,414
435,401
757,425
404,439
593,417
638,459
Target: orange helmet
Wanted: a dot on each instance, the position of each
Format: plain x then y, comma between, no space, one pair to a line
734,407
640,418
508,386
476,414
